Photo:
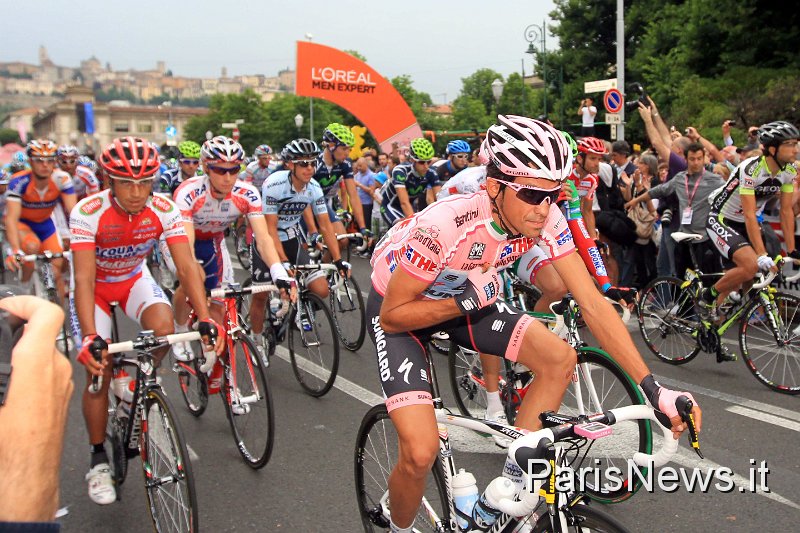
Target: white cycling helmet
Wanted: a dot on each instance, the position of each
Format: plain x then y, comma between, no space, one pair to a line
223,149
521,146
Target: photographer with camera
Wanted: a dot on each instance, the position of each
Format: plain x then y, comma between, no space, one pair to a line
587,112
711,149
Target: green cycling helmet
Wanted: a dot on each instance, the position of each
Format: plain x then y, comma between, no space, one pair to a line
339,134
421,149
572,144
189,149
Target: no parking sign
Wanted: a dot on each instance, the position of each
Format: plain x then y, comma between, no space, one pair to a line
613,101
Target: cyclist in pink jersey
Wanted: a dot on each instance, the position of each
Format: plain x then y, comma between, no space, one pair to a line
112,233
437,271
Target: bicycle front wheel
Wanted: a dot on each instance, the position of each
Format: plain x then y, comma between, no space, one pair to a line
313,345
466,381
167,469
600,384
193,382
581,519
248,402
668,321
375,458
349,315
769,336
242,248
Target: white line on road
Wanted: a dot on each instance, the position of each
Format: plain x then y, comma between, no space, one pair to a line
461,439
764,417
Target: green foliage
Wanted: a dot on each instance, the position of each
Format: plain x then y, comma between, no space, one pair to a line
9,135
114,94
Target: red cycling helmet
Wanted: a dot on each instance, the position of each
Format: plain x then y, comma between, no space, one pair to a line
592,145
131,158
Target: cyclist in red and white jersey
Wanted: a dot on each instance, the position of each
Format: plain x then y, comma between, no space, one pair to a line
584,176
112,234
437,270
209,204
84,180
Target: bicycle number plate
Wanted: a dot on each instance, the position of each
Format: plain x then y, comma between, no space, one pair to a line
593,430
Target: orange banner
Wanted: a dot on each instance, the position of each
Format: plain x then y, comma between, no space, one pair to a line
336,76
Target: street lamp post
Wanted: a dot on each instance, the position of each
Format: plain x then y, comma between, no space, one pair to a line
298,121
534,33
497,90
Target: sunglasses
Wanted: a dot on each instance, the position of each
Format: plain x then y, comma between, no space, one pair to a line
306,163
421,162
533,195
43,159
224,170
69,161
190,161
460,156
128,182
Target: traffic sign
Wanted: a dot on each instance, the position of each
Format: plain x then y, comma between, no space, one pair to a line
599,86
613,118
235,134
613,100
171,131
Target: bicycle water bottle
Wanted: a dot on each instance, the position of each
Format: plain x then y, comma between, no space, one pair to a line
465,495
123,386
514,473
274,306
485,513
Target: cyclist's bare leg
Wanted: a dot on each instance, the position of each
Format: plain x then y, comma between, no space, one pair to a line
258,311
553,289
95,405
491,366
180,304
158,317
553,362
418,443
320,287
745,270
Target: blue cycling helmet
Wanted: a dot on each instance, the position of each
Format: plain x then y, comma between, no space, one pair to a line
458,147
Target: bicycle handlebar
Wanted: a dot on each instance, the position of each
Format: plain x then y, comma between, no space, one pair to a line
229,291
152,342
31,258
532,446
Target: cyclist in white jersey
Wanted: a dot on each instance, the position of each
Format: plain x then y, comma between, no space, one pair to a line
437,270
259,170
732,223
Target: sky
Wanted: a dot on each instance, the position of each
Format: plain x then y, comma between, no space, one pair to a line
435,42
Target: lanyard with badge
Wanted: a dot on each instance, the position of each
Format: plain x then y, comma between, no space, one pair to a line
686,217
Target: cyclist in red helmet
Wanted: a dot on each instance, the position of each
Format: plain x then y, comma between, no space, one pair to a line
112,234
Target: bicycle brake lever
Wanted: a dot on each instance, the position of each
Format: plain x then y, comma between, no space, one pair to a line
684,406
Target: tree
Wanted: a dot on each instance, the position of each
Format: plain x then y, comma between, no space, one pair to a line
416,100
9,135
478,86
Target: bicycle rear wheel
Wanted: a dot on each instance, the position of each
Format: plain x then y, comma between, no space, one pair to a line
242,247
582,519
774,363
349,315
466,381
313,345
167,470
375,457
668,321
248,403
600,384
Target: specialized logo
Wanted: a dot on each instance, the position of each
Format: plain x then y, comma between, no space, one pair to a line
404,368
91,207
476,252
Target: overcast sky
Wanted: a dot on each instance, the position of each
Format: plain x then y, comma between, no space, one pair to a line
436,42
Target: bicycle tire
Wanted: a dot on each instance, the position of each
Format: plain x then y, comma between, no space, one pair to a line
115,429
241,246
376,442
667,320
173,457
313,371
193,382
345,302
466,381
776,366
614,388
251,383
583,518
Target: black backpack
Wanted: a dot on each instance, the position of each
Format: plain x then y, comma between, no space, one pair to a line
610,198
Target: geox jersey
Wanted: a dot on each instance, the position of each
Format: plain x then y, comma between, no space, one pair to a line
287,204
751,178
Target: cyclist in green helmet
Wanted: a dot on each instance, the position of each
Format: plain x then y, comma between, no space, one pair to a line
333,166
413,180
188,163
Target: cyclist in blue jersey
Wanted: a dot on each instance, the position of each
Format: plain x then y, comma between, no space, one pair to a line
457,160
259,170
410,181
290,196
188,163
333,165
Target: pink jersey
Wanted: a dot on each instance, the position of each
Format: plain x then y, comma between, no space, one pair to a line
442,243
586,185
210,216
121,241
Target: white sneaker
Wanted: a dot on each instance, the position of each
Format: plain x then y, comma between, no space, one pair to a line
500,418
101,486
182,352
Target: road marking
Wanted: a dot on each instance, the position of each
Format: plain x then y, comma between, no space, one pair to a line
193,457
461,439
731,398
764,417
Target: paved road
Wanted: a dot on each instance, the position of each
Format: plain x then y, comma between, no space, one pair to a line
308,483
